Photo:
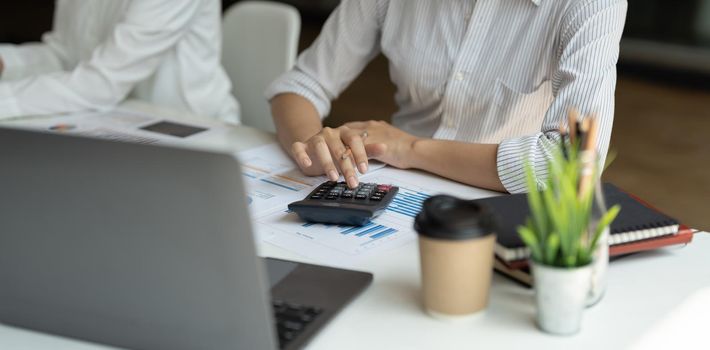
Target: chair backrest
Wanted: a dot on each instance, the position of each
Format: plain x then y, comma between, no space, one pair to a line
260,43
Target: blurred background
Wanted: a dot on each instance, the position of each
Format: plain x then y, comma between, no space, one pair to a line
662,124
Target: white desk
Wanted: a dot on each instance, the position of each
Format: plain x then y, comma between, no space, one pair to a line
642,290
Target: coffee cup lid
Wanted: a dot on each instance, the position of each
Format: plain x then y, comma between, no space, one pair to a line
448,217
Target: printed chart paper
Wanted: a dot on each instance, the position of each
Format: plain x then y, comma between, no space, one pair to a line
273,182
342,244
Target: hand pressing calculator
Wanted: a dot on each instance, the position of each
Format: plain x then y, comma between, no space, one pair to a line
334,203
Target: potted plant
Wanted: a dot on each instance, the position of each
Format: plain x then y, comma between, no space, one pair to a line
562,238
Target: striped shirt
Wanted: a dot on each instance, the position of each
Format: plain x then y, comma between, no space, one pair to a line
487,71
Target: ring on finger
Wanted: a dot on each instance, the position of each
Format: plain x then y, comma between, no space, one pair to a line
364,134
346,153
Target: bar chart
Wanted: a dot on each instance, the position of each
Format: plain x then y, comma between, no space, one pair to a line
273,181
407,202
372,230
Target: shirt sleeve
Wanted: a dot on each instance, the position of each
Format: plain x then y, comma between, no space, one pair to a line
349,40
148,31
585,79
21,61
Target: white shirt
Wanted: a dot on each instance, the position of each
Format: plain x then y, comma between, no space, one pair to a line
101,51
486,71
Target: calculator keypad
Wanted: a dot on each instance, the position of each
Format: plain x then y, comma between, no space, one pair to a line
335,203
332,190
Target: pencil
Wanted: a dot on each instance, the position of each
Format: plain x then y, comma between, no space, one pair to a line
563,136
588,154
572,120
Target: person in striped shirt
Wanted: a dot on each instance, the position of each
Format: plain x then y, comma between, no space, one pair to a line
482,86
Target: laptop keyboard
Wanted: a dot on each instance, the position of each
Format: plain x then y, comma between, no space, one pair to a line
292,319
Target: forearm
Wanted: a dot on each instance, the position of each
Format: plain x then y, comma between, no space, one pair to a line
470,163
296,119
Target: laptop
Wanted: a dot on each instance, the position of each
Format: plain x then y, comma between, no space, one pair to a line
147,247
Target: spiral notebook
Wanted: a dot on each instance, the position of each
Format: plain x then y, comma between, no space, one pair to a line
637,227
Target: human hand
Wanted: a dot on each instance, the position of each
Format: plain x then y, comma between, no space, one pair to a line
334,151
394,145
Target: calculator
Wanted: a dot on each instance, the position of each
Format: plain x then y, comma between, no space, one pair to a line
335,203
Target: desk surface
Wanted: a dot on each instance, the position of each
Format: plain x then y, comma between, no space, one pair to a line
642,289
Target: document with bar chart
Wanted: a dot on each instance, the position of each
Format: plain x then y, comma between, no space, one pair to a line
345,245
273,181
335,242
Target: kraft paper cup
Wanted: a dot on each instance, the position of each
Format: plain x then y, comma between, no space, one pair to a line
456,242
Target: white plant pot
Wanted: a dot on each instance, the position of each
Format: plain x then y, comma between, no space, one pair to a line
561,295
600,265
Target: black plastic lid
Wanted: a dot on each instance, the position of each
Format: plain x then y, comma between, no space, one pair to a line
447,217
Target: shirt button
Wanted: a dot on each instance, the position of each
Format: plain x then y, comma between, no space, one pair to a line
458,76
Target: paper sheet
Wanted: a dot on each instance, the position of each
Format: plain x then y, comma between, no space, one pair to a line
273,182
117,125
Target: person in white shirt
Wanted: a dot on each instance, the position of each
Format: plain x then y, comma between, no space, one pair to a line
482,86
101,52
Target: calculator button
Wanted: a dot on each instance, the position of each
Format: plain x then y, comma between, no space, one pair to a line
385,188
315,196
379,193
376,198
360,196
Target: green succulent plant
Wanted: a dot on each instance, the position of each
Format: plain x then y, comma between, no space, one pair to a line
558,231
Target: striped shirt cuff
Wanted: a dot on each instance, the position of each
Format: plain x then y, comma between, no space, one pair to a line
8,104
515,154
301,84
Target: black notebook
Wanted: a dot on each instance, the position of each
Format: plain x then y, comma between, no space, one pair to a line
635,221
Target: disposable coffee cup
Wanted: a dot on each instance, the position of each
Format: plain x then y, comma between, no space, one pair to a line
456,241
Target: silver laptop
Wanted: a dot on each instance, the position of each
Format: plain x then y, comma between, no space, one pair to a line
146,247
